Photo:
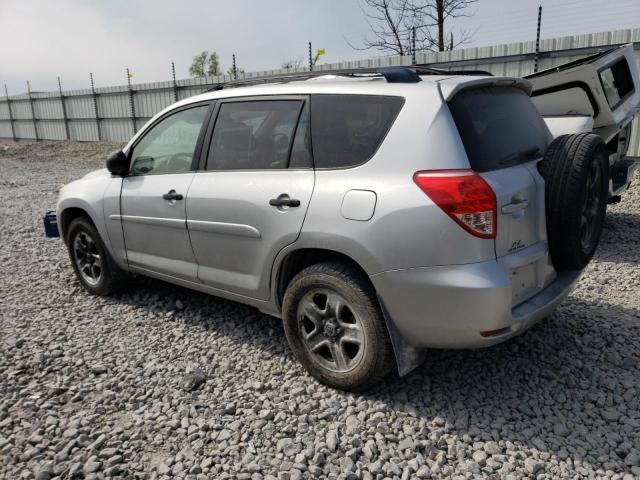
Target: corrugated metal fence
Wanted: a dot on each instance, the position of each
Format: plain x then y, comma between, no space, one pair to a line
115,113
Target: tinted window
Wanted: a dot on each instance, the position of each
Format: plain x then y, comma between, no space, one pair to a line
499,127
346,130
254,135
616,82
301,149
169,145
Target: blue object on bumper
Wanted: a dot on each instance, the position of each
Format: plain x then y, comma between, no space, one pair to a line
51,224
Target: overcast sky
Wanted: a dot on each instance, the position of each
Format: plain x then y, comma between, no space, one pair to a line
41,39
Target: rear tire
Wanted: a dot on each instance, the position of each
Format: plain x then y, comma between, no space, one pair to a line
335,328
576,173
96,271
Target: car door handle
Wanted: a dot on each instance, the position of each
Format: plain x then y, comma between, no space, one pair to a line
284,201
515,207
172,195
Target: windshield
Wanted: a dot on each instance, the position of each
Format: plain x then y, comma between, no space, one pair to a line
499,126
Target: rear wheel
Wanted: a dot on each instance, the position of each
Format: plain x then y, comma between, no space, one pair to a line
576,173
334,326
94,267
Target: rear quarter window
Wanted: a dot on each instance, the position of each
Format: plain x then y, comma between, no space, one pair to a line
616,82
346,130
499,126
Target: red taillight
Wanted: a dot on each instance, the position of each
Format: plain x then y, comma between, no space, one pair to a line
494,333
464,196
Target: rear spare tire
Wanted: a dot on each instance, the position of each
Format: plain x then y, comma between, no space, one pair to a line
576,173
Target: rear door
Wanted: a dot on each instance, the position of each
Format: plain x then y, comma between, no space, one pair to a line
250,200
504,137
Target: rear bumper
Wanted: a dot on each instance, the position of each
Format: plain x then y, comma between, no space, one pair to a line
448,306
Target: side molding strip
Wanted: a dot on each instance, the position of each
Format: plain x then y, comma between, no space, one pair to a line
237,229
163,222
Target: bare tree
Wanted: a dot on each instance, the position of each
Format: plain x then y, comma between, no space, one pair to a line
393,24
291,63
446,9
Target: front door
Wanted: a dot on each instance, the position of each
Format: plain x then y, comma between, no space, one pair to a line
251,199
153,197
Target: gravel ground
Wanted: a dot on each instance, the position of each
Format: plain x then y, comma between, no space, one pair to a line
161,382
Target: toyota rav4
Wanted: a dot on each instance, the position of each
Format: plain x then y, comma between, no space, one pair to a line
378,213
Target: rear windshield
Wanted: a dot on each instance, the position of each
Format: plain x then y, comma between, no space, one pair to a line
346,130
499,126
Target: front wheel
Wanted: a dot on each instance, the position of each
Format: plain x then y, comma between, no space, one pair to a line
92,264
335,328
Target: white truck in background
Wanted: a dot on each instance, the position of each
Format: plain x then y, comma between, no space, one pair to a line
600,94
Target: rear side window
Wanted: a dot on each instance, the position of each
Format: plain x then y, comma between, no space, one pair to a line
616,82
346,130
499,126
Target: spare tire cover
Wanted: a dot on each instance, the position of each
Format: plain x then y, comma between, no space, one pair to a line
576,173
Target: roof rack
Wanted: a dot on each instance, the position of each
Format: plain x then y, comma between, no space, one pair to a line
399,74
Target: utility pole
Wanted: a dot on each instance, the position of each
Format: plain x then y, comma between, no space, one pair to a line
535,61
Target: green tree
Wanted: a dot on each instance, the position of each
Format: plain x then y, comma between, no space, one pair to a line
213,65
239,72
204,64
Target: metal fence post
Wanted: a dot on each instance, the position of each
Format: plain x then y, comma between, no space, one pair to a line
64,110
94,95
310,58
234,70
13,128
535,62
175,85
413,46
33,112
132,103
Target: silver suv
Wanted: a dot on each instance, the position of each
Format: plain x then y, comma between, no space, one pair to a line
377,213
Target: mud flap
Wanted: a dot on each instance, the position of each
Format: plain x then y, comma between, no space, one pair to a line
407,356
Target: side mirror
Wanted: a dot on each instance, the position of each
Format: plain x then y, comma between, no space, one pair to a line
118,163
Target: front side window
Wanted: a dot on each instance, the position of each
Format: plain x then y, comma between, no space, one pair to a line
346,130
254,135
169,145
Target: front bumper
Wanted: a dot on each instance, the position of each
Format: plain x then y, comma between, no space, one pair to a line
448,306
51,224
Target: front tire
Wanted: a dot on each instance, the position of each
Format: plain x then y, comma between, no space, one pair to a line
335,328
96,271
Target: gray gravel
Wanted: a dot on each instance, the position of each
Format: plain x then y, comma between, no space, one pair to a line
161,382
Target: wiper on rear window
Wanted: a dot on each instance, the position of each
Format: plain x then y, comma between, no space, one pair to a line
523,155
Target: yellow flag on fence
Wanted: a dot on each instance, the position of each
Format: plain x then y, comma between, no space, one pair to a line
321,51
130,75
